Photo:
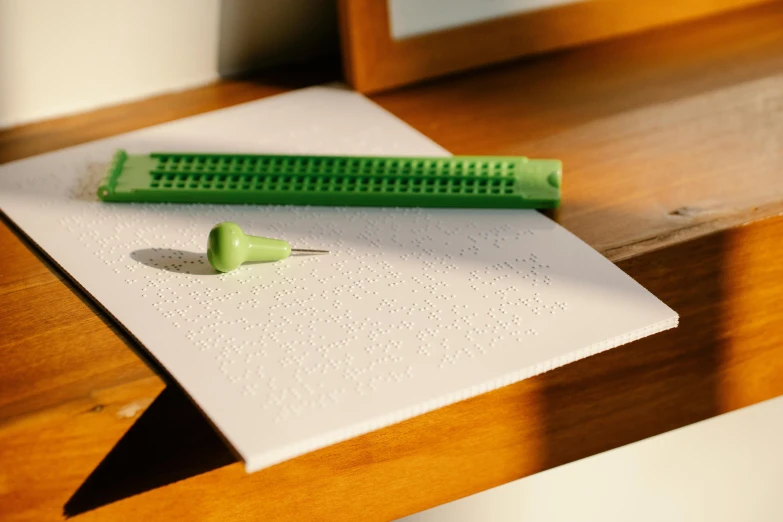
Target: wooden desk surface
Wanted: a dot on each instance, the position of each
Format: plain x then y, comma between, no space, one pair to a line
670,141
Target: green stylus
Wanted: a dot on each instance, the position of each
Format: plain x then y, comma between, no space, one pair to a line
228,247
456,182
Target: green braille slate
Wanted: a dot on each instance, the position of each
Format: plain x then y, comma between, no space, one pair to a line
457,182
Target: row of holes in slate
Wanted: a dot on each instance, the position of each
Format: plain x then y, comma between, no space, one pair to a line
332,184
333,166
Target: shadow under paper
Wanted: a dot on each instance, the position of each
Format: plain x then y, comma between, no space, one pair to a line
171,441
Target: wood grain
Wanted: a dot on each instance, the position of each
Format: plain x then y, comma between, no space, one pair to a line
56,346
656,139
374,61
653,131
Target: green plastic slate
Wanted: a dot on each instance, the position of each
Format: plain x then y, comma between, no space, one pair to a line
457,182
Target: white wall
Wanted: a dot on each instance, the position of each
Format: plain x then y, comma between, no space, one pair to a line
64,56
725,469
59,57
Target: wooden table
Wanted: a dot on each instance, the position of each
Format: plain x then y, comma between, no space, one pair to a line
672,141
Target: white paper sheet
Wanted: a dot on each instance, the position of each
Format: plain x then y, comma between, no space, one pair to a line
413,309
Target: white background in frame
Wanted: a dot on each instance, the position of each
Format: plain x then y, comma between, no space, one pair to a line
416,17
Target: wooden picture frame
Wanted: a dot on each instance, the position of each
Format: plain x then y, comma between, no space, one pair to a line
374,61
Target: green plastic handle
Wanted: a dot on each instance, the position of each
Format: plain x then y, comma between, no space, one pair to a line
228,247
